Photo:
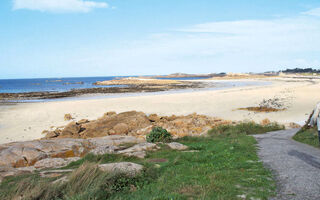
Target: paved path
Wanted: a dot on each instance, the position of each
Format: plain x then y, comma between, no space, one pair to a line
296,165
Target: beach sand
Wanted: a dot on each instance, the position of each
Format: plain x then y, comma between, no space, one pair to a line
26,121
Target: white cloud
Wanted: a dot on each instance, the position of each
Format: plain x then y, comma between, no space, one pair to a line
248,45
58,5
313,12
234,46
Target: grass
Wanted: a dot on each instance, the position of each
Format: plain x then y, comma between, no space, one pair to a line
245,128
308,136
224,166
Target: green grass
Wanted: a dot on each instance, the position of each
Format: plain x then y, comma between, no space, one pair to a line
308,136
246,128
225,166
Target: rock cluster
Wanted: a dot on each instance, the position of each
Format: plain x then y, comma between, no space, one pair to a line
113,133
30,153
128,168
136,124
44,154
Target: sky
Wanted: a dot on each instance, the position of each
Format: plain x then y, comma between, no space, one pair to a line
76,38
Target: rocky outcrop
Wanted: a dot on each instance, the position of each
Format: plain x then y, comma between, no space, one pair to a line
139,150
6,171
126,123
57,153
101,150
136,124
106,135
71,130
127,168
54,162
177,146
22,154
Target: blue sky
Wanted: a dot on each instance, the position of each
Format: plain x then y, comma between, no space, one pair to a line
70,38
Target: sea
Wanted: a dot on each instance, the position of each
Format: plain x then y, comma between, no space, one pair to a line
59,84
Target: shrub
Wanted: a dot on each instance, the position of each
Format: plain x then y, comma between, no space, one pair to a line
159,134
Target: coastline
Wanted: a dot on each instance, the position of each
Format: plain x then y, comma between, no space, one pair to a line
197,86
26,121
7,97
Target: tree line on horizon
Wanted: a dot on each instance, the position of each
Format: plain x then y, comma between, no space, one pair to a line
301,70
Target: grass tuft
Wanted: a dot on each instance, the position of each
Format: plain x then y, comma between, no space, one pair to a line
308,136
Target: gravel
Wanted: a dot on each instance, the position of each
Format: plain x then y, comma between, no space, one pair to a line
296,166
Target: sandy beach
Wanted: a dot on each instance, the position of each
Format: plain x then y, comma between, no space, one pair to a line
26,121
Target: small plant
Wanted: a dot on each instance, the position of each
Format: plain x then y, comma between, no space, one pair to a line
159,134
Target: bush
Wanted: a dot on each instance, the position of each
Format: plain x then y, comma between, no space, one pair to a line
159,134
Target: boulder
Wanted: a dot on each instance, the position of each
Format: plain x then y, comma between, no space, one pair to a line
114,140
127,168
82,121
53,134
146,146
177,146
22,154
54,162
110,113
154,118
121,129
71,130
101,150
137,124
139,150
138,154
111,124
6,171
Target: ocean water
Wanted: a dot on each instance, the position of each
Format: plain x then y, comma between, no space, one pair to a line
50,84
55,84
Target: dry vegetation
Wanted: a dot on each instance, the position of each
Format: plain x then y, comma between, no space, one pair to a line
267,105
262,109
68,117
